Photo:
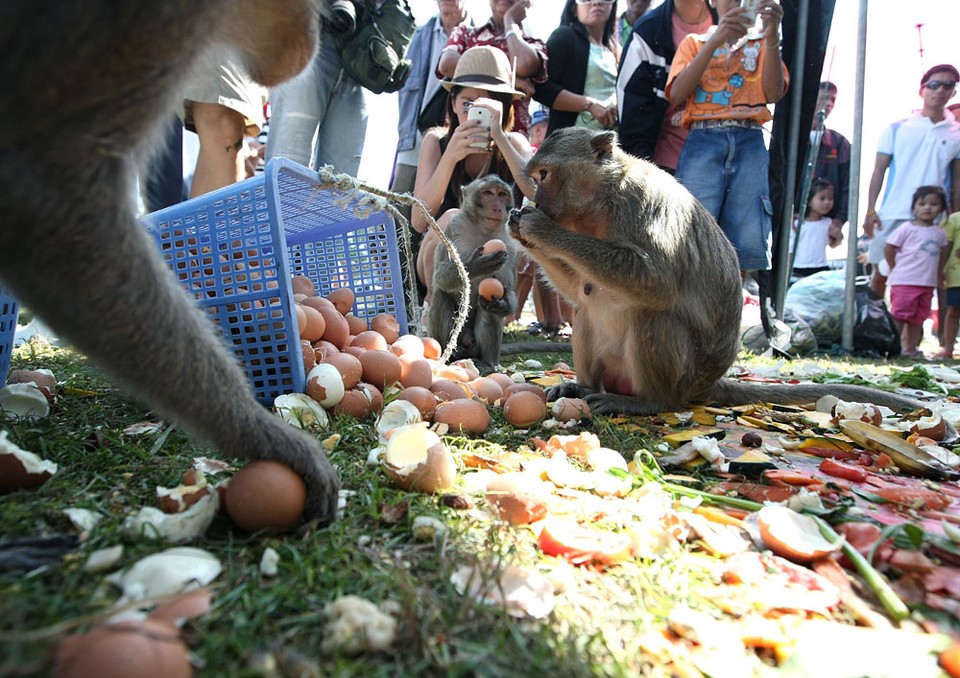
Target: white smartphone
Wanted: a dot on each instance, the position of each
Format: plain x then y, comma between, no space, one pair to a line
483,115
751,5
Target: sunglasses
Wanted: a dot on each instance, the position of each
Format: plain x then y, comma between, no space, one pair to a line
937,84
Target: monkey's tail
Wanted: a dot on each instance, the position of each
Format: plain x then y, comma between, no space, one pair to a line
536,347
732,392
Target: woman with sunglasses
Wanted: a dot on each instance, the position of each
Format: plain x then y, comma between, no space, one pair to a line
924,150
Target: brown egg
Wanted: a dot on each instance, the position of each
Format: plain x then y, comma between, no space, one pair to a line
298,298
448,389
408,344
502,379
324,349
266,495
348,366
360,402
357,324
453,372
468,368
415,372
524,409
315,326
149,648
517,388
309,355
416,459
301,284
355,351
463,416
488,391
342,298
422,398
301,318
387,325
494,245
490,289
518,498
431,348
317,303
570,409
337,331
380,368
370,340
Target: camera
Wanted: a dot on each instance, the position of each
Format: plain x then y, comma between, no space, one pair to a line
343,16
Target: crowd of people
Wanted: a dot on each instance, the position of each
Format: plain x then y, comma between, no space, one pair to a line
687,85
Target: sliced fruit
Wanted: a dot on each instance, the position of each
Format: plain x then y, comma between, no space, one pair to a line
793,535
581,545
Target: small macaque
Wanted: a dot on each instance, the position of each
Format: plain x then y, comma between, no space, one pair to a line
655,283
489,254
88,86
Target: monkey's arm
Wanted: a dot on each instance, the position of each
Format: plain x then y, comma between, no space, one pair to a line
617,264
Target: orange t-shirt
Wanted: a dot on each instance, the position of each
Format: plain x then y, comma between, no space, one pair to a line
731,87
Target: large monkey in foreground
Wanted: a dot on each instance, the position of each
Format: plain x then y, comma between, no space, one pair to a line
87,86
655,282
483,215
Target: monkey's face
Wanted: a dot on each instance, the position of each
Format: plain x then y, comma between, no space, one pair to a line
494,203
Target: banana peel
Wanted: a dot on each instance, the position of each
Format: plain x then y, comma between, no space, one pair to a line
908,458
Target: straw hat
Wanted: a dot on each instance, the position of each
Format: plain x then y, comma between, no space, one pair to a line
484,68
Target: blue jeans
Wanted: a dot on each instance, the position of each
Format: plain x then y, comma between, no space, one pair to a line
320,117
726,169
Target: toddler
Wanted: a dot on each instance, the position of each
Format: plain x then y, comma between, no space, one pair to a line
951,277
816,232
916,253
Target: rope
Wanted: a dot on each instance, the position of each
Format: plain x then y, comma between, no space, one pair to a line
363,200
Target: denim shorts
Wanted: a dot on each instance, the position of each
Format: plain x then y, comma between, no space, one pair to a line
725,168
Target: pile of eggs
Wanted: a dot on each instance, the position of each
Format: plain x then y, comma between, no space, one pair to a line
350,365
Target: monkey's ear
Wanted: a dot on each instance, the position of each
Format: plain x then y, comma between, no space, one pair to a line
603,144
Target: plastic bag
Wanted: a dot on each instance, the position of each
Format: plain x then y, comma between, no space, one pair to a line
818,300
874,328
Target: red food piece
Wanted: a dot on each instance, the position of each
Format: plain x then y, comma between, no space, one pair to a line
845,471
581,545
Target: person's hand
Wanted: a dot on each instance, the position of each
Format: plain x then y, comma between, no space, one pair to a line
733,25
871,225
771,14
516,14
497,135
467,133
606,115
524,85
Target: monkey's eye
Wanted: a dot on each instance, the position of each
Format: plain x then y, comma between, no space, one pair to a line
542,175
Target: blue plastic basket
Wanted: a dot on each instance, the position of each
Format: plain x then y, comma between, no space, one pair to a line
8,327
236,249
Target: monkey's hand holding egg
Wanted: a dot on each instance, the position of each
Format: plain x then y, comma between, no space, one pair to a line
485,264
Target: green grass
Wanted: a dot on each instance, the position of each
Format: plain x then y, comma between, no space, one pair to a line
596,628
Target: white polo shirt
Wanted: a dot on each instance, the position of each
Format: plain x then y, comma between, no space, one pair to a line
921,152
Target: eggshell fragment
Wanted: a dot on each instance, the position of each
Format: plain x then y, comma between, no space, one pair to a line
416,459
463,416
300,410
149,648
395,415
360,402
518,498
266,495
43,379
20,469
174,528
792,535
23,401
524,409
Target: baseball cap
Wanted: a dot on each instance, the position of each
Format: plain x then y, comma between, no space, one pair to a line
539,116
937,69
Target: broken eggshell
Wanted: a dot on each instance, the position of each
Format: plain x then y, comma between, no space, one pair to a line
416,459
325,385
43,379
300,410
394,415
23,401
20,469
167,573
173,528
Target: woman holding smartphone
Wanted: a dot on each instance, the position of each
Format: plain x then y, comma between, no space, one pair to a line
467,148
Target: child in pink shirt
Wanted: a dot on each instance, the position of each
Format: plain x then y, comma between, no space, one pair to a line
915,253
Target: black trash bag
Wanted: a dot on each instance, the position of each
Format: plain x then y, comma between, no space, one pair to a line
874,328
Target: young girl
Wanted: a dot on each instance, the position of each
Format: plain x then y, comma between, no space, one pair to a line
816,232
916,253
951,277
